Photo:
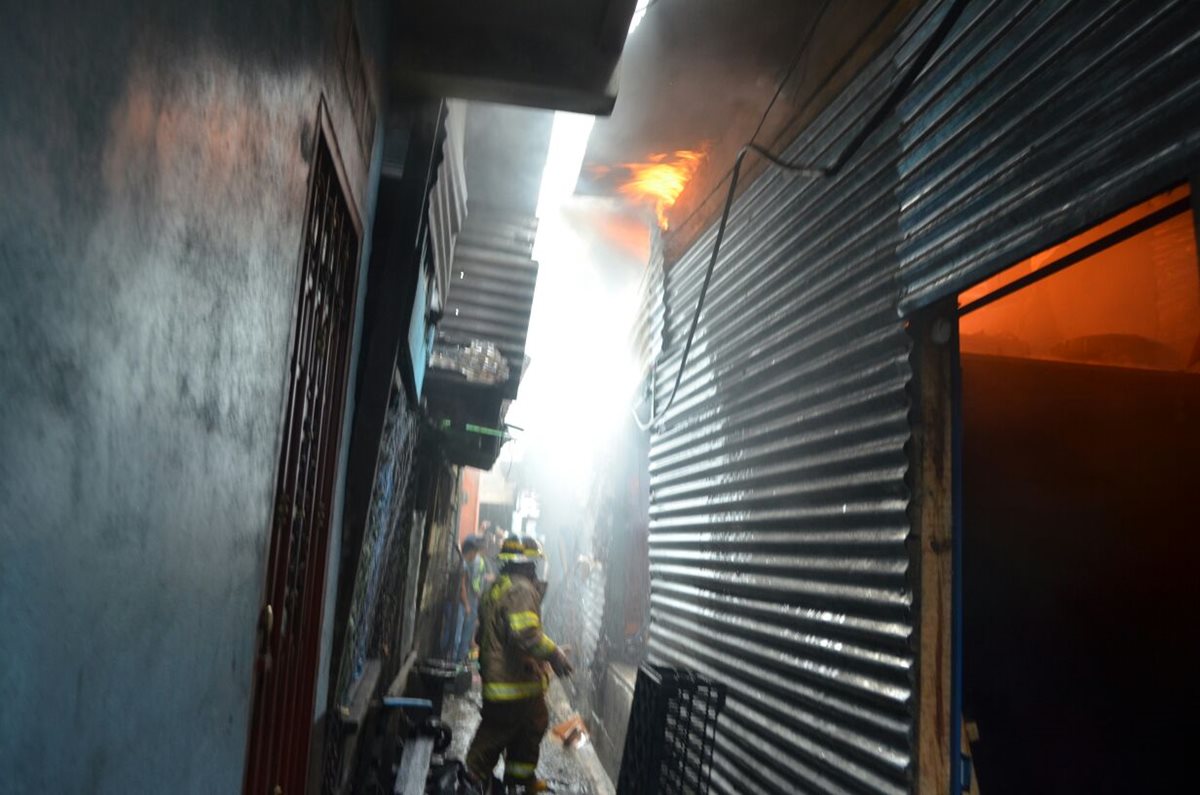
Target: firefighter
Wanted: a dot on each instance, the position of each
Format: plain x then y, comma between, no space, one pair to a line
512,650
533,549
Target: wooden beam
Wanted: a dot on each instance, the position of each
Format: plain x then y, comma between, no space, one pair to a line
970,734
1194,185
399,685
354,713
931,513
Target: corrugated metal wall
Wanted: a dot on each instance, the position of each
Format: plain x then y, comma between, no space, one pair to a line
491,283
575,603
1038,119
448,200
778,525
648,336
779,542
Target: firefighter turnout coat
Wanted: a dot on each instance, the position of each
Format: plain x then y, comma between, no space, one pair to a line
512,645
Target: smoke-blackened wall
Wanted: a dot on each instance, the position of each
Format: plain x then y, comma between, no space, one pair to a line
155,162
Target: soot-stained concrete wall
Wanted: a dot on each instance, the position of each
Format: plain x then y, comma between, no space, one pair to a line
154,161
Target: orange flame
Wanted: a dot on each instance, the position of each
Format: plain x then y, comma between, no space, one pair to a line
661,179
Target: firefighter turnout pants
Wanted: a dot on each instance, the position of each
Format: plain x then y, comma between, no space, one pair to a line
515,729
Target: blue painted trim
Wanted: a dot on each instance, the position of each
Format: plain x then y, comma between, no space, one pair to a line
407,703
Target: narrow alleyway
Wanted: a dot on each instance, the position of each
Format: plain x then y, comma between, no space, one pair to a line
813,385
569,771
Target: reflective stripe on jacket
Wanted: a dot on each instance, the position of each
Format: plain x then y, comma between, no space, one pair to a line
512,644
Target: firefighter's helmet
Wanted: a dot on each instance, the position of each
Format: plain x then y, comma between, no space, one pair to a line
513,550
533,548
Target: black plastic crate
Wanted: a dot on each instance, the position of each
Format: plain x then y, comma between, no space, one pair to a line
672,725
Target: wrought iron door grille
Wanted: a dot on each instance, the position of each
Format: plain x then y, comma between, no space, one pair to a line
672,726
288,654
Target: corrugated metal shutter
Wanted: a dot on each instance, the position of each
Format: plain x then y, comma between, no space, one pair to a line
1036,120
574,609
778,518
448,201
648,335
491,284
590,633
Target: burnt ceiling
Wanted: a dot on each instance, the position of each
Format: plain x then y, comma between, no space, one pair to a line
701,74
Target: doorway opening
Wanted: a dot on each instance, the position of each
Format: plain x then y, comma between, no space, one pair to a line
1080,390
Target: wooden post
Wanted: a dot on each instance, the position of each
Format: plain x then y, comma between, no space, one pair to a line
1194,186
969,735
931,513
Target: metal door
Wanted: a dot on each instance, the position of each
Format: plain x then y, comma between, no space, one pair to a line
290,618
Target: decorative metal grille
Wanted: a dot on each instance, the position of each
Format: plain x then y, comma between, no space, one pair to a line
669,745
379,580
388,511
291,618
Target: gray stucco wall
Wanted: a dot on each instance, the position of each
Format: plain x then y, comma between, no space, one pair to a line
154,165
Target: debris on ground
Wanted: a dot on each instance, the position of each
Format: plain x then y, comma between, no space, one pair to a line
572,732
569,769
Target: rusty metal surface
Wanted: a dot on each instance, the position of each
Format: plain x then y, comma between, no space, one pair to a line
1035,120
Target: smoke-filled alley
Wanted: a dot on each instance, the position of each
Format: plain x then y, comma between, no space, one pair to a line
613,396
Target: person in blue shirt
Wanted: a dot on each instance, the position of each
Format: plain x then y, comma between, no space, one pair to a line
473,580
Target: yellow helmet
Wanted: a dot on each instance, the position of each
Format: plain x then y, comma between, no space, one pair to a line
513,550
533,547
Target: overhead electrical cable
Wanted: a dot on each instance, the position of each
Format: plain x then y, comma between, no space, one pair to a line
876,120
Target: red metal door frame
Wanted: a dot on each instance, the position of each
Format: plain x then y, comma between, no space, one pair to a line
293,598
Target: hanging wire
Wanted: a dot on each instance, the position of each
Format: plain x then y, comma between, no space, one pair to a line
876,120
